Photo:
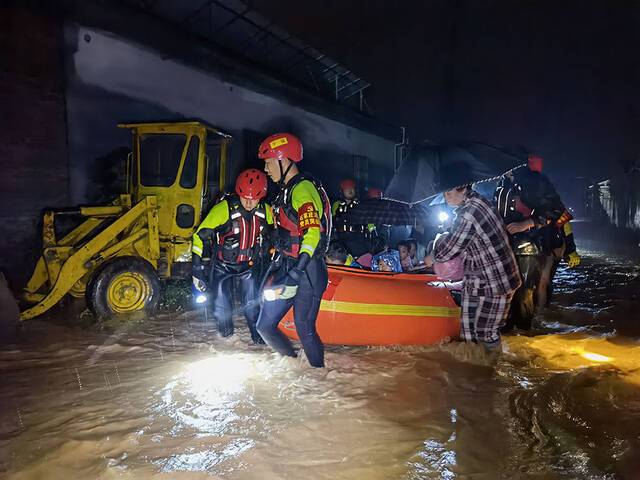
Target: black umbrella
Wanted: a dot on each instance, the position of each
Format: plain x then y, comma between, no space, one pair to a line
432,169
384,212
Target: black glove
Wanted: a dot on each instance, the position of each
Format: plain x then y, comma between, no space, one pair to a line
288,288
294,275
301,265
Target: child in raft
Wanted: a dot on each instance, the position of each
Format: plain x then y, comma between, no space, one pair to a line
408,263
337,255
405,257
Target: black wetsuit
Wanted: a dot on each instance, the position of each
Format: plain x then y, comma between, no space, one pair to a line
303,223
232,237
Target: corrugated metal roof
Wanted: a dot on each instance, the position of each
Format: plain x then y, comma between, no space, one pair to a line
236,27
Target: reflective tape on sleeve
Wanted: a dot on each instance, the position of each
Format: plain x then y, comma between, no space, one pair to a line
307,248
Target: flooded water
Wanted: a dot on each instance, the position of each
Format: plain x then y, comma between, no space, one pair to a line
168,398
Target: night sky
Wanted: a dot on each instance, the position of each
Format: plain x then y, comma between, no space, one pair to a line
559,77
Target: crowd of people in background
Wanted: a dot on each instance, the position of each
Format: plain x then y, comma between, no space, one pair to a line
370,244
478,247
373,246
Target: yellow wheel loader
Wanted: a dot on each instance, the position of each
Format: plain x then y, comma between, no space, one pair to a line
119,252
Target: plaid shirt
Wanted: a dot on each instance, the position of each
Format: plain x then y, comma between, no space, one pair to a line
490,268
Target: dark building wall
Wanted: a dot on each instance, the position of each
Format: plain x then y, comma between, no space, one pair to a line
112,79
33,152
64,86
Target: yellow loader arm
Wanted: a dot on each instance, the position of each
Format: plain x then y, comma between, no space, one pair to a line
63,264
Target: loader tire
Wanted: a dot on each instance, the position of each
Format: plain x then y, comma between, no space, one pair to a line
123,286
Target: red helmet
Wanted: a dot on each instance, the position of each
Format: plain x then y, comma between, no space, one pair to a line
251,184
535,163
347,183
374,192
281,146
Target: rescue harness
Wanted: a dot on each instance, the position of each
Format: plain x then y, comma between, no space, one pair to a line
239,239
289,233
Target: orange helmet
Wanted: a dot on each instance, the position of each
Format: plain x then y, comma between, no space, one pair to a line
251,184
347,183
374,192
535,163
281,146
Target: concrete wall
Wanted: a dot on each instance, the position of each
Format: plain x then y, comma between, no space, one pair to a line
33,152
65,86
112,79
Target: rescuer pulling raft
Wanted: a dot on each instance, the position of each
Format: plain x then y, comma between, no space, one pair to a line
303,224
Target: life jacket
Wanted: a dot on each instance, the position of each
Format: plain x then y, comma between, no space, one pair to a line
512,199
344,206
340,223
288,234
508,198
240,237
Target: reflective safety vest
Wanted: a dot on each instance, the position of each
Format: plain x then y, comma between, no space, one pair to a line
239,238
340,224
343,206
289,233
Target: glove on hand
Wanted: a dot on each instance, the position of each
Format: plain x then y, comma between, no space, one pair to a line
285,290
573,259
289,287
291,284
199,284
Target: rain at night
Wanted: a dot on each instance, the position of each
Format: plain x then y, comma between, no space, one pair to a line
338,239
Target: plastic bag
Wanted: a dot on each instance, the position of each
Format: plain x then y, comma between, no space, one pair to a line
452,270
390,257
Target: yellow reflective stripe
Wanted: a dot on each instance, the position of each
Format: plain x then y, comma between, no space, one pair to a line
307,248
386,309
196,249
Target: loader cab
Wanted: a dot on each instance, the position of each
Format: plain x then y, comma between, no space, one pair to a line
183,165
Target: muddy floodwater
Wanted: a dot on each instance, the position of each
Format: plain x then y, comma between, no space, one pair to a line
168,399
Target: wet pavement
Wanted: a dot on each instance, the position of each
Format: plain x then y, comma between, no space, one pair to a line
167,398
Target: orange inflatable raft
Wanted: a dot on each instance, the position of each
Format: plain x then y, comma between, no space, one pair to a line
361,307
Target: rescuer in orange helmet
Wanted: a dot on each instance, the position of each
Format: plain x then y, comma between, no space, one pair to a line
231,236
303,226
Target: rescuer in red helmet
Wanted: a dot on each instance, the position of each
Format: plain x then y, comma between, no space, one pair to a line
303,226
348,200
530,205
374,192
231,236
355,237
536,204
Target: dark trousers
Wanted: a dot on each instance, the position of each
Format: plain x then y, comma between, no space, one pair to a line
549,268
235,282
305,305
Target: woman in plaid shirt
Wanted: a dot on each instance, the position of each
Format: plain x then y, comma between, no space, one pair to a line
491,273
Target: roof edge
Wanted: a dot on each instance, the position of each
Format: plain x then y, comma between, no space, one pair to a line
164,37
